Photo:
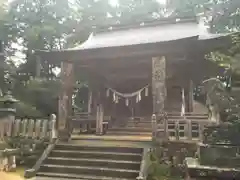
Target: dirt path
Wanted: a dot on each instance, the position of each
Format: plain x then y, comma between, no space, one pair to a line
18,175
10,176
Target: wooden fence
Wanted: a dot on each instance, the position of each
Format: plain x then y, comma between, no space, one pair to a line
28,128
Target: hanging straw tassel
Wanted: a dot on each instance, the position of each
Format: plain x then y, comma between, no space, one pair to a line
114,97
127,102
139,96
117,99
108,93
146,91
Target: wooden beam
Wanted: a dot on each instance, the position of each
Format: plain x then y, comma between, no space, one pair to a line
138,50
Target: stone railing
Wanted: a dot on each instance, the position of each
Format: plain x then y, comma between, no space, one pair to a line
42,130
32,128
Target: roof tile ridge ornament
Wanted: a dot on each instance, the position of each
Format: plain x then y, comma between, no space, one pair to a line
90,37
148,23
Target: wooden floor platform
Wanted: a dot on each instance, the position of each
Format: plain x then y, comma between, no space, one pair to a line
112,138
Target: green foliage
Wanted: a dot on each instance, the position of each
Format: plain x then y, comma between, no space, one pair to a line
159,170
221,15
42,95
228,130
26,110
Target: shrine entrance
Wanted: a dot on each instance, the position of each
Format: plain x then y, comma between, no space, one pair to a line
124,92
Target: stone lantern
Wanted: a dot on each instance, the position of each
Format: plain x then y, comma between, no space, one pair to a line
8,104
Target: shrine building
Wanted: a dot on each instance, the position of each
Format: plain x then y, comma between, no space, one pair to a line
135,71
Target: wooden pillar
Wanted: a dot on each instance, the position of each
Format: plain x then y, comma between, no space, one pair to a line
158,84
38,67
99,119
190,97
183,103
65,100
100,112
89,101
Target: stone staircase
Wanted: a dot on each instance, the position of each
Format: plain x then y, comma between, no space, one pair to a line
132,127
70,161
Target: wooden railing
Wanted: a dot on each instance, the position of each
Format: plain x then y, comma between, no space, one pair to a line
86,121
180,129
186,129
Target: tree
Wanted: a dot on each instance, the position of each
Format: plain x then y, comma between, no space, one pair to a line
40,24
221,15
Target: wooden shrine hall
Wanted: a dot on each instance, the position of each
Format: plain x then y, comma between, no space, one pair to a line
136,70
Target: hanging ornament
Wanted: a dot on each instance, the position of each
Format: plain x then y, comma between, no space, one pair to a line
137,99
127,101
139,96
114,97
108,93
146,91
117,98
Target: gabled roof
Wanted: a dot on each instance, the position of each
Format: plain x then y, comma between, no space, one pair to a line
153,32
152,38
141,34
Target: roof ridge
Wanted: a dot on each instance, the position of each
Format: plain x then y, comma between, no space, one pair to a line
149,23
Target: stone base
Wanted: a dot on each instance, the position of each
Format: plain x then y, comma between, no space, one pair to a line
219,155
196,171
64,135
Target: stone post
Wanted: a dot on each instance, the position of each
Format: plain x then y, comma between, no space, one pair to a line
53,120
154,127
189,129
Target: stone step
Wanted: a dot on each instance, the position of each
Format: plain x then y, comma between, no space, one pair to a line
96,155
128,133
140,124
61,176
134,165
88,170
141,121
134,129
76,147
137,126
